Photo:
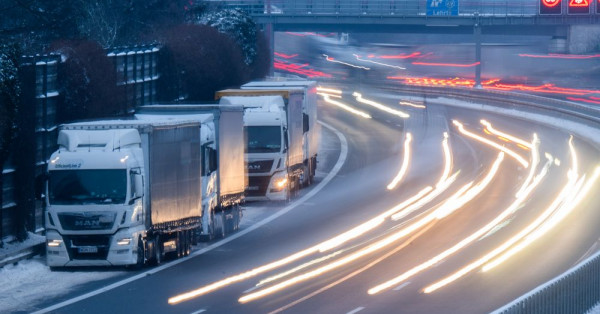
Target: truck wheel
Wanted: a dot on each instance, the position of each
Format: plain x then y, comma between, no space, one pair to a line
188,242
221,221
158,252
141,259
179,244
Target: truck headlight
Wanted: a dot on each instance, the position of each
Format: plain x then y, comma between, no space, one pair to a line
279,181
124,241
54,243
280,184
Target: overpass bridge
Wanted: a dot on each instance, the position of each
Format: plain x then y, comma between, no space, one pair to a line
573,24
494,16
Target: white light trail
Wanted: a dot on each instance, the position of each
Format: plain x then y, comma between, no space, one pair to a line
405,163
379,63
345,107
510,152
330,59
379,106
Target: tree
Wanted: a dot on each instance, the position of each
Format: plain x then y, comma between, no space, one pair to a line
87,82
239,26
198,60
9,106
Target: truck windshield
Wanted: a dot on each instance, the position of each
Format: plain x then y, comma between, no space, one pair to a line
263,139
106,186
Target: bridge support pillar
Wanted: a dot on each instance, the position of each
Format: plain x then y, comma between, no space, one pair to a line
583,38
558,43
477,35
270,33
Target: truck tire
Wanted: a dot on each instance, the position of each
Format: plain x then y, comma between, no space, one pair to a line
158,251
187,248
141,259
221,221
180,244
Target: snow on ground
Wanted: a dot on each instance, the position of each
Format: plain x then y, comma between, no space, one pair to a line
12,248
30,280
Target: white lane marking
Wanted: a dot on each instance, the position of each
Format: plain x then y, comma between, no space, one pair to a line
356,310
402,286
199,311
311,193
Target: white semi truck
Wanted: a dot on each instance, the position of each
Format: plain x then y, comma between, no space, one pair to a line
309,113
123,192
274,127
224,178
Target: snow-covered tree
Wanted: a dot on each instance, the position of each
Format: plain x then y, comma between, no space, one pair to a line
9,104
239,26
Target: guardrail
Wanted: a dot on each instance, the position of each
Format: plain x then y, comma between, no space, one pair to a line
382,7
575,291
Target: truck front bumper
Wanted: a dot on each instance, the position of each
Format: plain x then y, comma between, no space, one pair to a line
90,250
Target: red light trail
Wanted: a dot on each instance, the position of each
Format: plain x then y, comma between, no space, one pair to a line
413,55
454,65
283,55
596,102
494,84
559,56
299,69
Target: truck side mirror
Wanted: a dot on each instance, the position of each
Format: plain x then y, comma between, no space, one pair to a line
138,180
305,122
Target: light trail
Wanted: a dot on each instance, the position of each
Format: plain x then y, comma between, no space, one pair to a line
378,63
568,190
414,55
405,163
535,160
363,114
379,106
406,103
510,152
452,65
321,247
285,56
494,131
470,239
329,90
413,227
559,56
448,160
439,189
331,59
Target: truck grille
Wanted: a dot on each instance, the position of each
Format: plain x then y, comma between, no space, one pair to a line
257,186
87,221
259,166
87,247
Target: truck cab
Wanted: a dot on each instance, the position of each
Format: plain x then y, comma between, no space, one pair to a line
94,199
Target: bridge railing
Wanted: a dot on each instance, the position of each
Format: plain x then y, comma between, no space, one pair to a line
381,7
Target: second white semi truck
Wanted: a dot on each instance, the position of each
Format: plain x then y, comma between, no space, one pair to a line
222,145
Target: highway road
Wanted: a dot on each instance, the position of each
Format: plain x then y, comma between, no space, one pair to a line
348,244
431,239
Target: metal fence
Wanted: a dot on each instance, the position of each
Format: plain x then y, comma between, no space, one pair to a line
575,291
137,74
382,7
